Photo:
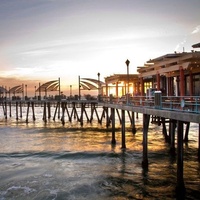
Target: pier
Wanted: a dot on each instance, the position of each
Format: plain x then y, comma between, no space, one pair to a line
178,113
165,92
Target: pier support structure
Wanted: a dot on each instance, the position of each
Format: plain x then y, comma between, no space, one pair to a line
146,119
172,128
199,145
180,188
123,130
113,141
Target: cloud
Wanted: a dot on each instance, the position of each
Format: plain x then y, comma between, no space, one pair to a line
180,44
36,52
196,30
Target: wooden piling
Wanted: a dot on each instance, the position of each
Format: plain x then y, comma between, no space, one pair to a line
33,110
180,188
172,128
113,141
5,111
187,131
63,113
81,117
27,112
66,108
94,110
92,113
49,109
45,112
107,117
133,123
120,120
199,144
17,110
123,129
10,109
84,111
164,130
20,108
146,119
59,110
55,111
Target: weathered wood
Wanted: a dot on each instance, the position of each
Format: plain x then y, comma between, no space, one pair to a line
84,111
107,116
20,108
199,144
113,141
5,111
49,109
55,111
164,130
102,115
81,117
58,109
27,113
187,131
130,117
17,110
123,129
146,119
133,123
33,111
172,128
99,121
120,120
180,188
45,113
66,108
91,113
63,113
10,108
76,113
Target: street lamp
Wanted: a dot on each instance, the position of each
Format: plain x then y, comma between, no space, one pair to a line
127,64
35,92
70,90
26,92
127,95
98,82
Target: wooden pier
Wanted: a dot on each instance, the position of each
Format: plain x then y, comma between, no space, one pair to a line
69,110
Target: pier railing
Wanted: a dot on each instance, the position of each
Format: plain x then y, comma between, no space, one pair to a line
173,103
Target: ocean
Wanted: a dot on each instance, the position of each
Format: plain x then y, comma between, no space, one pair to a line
50,161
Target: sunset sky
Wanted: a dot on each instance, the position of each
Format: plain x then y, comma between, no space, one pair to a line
41,40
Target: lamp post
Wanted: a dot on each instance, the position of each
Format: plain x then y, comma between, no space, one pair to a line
98,83
79,88
127,95
70,90
35,92
26,92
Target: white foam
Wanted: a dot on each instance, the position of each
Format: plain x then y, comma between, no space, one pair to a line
26,190
54,192
48,175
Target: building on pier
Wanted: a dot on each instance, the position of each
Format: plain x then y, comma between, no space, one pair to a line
117,85
176,74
